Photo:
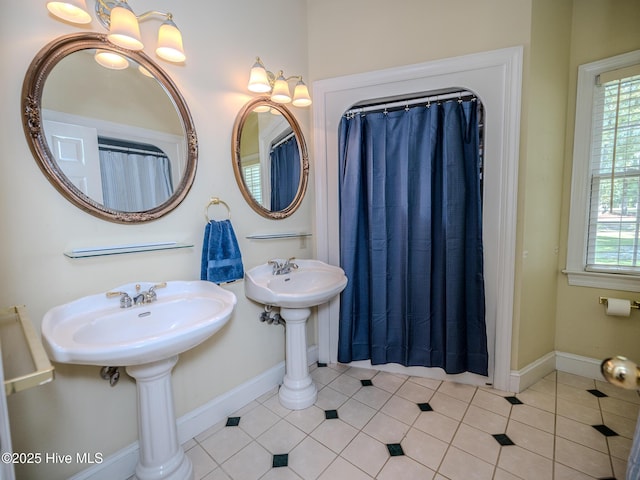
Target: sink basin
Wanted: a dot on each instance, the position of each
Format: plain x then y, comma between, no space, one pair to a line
312,283
94,330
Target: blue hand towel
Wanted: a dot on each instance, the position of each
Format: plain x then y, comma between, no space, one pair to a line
221,258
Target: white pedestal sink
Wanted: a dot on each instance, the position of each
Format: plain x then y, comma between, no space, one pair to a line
312,283
147,340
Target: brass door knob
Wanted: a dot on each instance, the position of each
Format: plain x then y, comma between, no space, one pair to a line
621,372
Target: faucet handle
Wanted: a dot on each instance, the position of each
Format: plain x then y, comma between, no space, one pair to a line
125,299
290,263
156,286
151,295
277,266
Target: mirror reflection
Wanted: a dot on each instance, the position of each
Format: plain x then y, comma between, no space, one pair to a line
270,159
132,137
115,139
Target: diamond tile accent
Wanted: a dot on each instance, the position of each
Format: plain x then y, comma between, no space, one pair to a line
597,393
425,407
366,383
395,449
280,460
232,422
513,400
330,414
503,439
606,431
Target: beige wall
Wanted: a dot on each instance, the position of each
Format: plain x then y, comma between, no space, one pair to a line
79,412
540,186
362,35
600,29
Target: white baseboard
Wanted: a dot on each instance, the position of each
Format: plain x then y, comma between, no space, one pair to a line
564,362
578,365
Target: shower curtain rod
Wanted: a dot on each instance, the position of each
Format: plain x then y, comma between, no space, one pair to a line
284,139
128,146
462,94
113,148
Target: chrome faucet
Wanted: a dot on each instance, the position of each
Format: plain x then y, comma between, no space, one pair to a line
141,298
282,268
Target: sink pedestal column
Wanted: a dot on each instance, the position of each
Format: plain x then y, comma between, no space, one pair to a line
298,390
161,456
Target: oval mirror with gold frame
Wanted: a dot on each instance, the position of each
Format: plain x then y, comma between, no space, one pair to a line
270,159
86,124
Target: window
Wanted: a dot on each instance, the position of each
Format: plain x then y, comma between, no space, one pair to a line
251,175
604,229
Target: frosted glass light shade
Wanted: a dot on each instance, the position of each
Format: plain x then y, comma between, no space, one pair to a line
301,96
280,93
74,11
111,60
259,80
170,43
124,29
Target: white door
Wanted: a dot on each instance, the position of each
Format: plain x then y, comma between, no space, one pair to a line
75,148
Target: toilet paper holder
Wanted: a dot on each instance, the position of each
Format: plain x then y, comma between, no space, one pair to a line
634,303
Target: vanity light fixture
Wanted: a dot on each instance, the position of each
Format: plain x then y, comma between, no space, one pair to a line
262,80
123,25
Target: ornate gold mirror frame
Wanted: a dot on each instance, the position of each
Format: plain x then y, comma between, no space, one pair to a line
36,76
262,104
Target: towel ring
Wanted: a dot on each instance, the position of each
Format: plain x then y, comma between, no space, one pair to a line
215,201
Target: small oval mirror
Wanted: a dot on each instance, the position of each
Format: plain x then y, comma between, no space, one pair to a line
117,141
270,159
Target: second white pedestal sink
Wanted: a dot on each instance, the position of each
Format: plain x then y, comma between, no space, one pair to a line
311,283
147,340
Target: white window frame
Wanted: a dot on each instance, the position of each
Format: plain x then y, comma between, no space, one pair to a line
580,181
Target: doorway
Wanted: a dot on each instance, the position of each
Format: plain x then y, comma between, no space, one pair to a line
496,78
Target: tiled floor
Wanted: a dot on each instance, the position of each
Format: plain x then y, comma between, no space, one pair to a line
368,424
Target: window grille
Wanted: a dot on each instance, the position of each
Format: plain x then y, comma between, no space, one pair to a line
251,174
614,222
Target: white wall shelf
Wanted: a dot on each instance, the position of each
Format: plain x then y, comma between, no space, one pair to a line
271,236
122,249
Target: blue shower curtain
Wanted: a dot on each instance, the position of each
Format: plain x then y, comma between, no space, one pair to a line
285,174
411,238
